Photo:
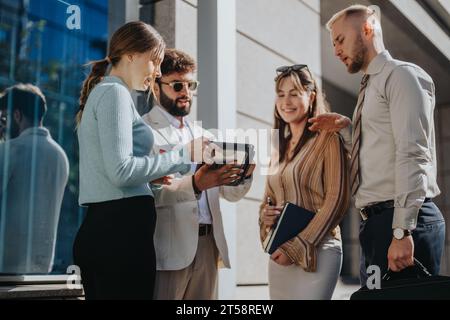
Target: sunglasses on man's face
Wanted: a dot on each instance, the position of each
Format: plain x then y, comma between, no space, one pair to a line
177,86
286,69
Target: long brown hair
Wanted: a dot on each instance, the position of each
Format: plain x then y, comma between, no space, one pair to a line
132,37
303,81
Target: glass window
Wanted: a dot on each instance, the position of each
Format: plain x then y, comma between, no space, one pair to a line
38,47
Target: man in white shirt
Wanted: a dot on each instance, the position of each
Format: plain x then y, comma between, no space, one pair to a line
393,165
189,236
33,174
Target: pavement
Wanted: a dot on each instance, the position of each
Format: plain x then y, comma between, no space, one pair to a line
343,291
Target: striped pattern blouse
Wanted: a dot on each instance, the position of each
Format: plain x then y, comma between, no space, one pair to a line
315,179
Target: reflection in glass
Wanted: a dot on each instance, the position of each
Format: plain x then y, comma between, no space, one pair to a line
36,47
34,171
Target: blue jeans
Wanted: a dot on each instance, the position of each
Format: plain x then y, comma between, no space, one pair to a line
376,236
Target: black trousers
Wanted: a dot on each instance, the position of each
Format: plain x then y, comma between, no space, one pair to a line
376,236
115,251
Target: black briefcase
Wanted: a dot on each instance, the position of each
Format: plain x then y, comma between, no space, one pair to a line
414,283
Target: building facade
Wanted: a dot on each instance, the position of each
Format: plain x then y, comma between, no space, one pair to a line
238,45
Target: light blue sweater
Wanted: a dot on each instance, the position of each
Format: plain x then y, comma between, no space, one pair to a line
115,146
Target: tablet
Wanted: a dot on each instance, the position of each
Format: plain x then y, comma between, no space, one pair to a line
242,153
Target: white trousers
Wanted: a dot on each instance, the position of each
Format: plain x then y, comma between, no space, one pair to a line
293,283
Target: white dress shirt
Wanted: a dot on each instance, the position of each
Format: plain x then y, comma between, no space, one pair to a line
397,152
33,174
185,135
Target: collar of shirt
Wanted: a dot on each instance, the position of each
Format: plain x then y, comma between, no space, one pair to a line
41,131
172,120
377,64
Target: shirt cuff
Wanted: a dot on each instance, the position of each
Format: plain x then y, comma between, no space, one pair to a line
301,252
405,218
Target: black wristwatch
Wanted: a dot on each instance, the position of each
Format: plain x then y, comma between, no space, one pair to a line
400,233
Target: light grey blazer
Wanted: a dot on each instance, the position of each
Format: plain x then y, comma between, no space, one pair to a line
176,235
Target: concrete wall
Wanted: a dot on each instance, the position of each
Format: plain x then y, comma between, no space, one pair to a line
121,12
176,20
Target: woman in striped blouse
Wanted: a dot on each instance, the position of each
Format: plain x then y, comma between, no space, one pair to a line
309,170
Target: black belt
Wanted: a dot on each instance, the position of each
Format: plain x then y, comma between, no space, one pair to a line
378,208
204,229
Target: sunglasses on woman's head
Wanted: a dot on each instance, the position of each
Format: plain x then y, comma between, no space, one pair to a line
177,86
286,69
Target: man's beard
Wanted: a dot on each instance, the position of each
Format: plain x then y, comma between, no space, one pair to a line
172,107
359,55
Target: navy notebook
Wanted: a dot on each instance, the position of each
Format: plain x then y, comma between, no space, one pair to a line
293,219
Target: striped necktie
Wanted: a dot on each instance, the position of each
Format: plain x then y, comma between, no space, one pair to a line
354,167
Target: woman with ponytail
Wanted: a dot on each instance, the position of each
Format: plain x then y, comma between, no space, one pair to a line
311,172
114,246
